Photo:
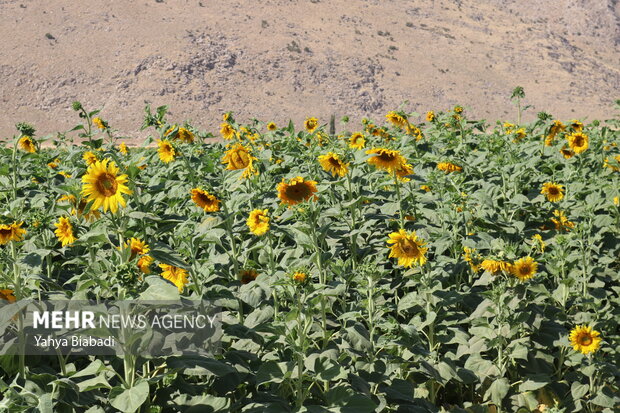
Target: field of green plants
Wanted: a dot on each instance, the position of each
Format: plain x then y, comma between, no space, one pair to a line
418,263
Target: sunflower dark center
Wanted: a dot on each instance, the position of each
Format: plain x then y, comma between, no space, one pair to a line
386,157
5,232
106,184
409,247
578,141
586,340
525,269
553,191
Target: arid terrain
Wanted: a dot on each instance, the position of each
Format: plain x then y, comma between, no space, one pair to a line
281,59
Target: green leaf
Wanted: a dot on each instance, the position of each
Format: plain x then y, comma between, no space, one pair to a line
498,390
129,400
159,289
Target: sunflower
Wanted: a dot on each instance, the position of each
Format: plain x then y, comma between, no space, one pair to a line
227,131
578,142
333,164
271,126
8,295
144,263
396,119
185,135
176,275
89,157
403,171
448,167
470,255
12,232
584,339
91,216
524,268
247,276
258,221
54,163
99,123
311,124
64,231
458,109
561,222
300,277
614,168
104,187
520,134
296,190
556,128
430,116
65,174
576,125
137,246
554,192
538,243
239,157
357,141
204,200
567,153
386,159
425,188
226,116
407,247
166,151
122,148
495,266
27,144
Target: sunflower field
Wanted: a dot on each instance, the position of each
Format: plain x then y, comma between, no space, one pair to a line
419,263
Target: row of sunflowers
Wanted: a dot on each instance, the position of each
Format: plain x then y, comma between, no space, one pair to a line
420,263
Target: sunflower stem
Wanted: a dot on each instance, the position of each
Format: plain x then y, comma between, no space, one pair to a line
15,166
352,210
17,284
400,200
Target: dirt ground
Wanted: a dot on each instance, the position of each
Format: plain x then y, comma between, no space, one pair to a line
281,59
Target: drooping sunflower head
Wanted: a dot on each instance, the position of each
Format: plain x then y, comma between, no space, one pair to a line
494,266
524,268
64,231
165,150
137,246
144,263
103,186
296,190
561,222
408,248
8,295
578,142
227,131
176,275
567,153
258,221
11,232
554,192
448,167
396,119
27,144
247,276
576,125
89,157
185,135
122,148
99,123
585,339
404,172
357,141
458,109
271,126
204,200
332,163
386,159
556,127
238,157
430,116
311,124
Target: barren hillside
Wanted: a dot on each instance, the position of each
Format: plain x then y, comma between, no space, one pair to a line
281,59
